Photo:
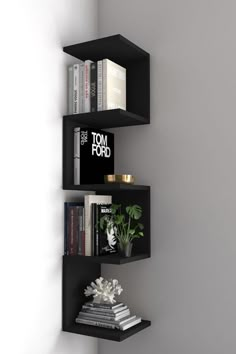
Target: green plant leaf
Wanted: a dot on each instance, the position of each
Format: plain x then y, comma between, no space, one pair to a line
134,211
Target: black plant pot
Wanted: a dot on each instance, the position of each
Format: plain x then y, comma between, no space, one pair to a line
125,250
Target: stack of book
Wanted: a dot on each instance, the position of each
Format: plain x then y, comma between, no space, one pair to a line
96,86
113,316
82,235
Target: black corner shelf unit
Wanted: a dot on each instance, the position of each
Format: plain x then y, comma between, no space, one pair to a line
79,271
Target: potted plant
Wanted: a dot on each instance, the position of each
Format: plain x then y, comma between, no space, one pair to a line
125,224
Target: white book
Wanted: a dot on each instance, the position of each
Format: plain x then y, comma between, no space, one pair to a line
96,323
87,98
99,85
105,315
114,85
70,90
77,156
108,311
81,87
129,324
87,315
88,200
75,88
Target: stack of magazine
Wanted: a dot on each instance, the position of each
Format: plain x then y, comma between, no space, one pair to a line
113,316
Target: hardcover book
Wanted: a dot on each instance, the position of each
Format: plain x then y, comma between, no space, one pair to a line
94,149
74,242
93,87
105,242
114,85
88,200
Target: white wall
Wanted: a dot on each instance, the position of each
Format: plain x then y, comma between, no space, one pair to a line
187,155
33,100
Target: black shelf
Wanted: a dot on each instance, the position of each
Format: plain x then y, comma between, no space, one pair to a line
106,187
137,64
110,334
111,259
79,271
116,48
112,118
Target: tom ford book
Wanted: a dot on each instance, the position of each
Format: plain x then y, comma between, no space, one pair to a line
93,155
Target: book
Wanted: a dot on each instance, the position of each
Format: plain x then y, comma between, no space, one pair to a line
95,316
80,230
96,323
93,87
70,89
113,312
81,87
93,148
99,85
75,88
113,85
131,323
87,104
105,241
88,200
71,227
104,306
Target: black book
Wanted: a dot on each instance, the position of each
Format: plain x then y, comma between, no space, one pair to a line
105,242
93,155
93,87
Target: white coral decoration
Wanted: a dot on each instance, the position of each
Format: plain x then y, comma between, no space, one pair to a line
104,290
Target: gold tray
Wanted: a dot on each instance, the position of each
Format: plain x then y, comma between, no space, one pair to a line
128,179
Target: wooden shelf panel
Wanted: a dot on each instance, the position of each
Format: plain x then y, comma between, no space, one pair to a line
112,118
111,259
109,334
107,187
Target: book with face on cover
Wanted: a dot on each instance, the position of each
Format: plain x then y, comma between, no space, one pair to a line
105,241
88,201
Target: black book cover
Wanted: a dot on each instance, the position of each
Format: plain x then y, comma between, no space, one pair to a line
93,155
93,87
105,241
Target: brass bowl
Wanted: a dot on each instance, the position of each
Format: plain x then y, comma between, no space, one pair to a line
128,179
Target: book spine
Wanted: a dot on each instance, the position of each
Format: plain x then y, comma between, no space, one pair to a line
77,156
81,88
87,65
104,84
93,229
104,306
97,323
93,317
80,228
97,245
99,85
83,233
65,229
93,87
70,89
71,230
105,311
76,88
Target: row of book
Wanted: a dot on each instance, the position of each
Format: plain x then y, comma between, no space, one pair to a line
82,233
107,316
96,86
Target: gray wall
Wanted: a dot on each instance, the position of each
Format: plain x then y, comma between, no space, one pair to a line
187,155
